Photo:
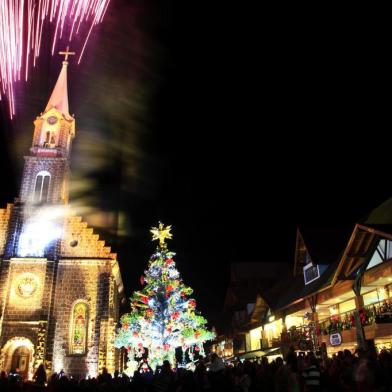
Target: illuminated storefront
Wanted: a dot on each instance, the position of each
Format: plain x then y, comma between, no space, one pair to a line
322,305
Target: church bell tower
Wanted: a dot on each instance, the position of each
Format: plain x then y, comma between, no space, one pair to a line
46,170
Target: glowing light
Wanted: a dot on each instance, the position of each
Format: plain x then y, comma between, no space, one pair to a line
39,231
161,233
333,310
92,369
35,237
255,339
21,29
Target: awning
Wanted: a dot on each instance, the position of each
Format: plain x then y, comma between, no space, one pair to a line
273,351
251,354
257,353
261,353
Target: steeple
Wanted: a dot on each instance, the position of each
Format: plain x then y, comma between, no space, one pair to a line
59,97
47,167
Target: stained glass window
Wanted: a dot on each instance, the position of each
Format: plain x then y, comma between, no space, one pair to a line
79,328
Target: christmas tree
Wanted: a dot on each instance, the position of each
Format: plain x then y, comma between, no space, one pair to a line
163,315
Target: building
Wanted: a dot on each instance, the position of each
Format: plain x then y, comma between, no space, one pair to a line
246,304
60,285
339,295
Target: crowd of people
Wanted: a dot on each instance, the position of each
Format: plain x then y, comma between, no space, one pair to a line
362,372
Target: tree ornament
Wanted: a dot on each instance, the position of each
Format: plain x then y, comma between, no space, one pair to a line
192,303
161,233
175,315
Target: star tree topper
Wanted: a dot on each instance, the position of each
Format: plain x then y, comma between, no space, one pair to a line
161,233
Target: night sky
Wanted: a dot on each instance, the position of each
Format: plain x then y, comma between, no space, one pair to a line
234,125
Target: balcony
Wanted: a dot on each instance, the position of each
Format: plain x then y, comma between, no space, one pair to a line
336,323
298,337
376,313
379,312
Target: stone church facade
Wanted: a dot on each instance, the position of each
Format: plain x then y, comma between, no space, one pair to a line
60,285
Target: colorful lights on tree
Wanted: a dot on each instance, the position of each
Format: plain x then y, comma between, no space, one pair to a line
163,316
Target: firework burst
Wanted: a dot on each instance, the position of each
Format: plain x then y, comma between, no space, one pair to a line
21,29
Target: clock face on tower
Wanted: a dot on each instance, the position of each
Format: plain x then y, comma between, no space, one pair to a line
52,120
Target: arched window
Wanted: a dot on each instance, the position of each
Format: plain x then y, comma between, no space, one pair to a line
42,186
50,140
79,324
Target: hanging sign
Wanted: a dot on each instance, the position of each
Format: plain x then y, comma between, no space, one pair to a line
335,339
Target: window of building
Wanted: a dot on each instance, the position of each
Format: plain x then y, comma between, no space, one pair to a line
375,296
294,321
311,273
383,253
347,306
255,338
50,140
79,324
273,330
42,183
389,289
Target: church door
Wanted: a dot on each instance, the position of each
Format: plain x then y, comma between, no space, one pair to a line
20,361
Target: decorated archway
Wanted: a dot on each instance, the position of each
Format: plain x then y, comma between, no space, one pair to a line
18,355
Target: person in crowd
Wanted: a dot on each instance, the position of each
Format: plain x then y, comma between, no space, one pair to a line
164,379
311,375
216,371
105,377
201,377
40,375
217,364
242,377
364,373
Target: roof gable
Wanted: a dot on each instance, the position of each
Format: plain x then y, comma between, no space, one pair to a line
360,248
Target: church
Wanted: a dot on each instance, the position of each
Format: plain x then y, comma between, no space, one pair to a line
60,285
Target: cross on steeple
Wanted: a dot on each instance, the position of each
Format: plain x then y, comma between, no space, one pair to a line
66,53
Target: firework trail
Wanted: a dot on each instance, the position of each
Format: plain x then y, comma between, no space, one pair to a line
21,29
